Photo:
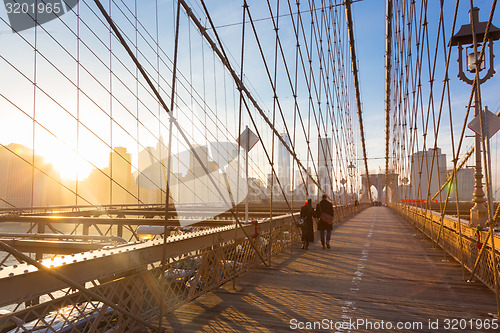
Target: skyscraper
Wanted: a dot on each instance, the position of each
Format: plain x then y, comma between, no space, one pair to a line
284,169
421,165
465,181
23,184
325,166
123,187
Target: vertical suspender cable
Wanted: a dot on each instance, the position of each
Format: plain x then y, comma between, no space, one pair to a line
275,97
166,108
388,55
356,90
245,5
169,153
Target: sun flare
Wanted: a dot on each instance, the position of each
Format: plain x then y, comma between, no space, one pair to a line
72,165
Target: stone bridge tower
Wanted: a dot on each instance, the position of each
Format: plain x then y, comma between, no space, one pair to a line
378,180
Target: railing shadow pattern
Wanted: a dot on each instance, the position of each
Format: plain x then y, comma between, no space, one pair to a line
127,288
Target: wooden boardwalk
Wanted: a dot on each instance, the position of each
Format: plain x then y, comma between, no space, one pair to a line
379,272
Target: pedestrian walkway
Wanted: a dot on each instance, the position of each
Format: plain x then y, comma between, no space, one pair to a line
380,274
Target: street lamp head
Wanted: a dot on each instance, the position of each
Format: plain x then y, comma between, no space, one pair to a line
479,35
351,168
465,36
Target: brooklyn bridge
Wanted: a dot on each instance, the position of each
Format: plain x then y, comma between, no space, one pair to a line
155,157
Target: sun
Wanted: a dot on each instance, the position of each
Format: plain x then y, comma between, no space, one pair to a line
70,163
70,166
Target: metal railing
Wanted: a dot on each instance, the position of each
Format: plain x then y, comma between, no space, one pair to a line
126,286
462,242
134,285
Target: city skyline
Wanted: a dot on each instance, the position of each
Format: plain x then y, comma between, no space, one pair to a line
76,126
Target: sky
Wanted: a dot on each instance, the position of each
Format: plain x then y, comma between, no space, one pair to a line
370,33
369,19
57,43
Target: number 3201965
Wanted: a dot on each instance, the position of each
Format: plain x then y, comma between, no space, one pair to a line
40,8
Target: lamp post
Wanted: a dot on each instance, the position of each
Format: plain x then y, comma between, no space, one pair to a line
402,192
465,37
351,170
343,181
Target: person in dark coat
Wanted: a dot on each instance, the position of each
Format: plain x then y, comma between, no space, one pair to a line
306,213
325,228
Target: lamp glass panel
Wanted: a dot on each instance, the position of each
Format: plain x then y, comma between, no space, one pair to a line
471,63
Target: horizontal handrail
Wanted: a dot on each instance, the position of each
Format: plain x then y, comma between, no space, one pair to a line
445,232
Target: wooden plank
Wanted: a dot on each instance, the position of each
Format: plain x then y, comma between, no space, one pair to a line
379,269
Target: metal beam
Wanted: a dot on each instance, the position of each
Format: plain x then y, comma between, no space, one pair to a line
51,246
111,220
24,281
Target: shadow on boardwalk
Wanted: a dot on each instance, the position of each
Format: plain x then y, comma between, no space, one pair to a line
379,272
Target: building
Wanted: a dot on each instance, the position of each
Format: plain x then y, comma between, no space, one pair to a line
284,166
325,166
256,189
113,184
465,183
273,187
421,164
151,179
304,186
27,180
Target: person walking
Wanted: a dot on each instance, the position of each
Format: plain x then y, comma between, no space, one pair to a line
324,212
306,213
